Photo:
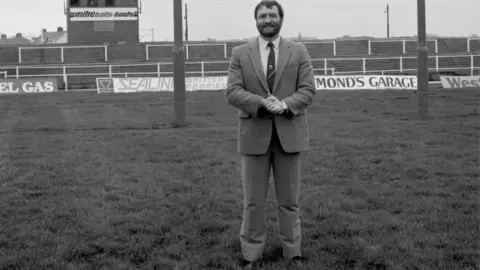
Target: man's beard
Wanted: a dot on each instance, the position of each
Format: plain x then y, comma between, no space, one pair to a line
276,29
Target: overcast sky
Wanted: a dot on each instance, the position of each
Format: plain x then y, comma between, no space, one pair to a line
224,19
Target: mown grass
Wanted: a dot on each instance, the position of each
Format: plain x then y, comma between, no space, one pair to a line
104,182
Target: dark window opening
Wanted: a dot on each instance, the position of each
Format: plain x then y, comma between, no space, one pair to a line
93,3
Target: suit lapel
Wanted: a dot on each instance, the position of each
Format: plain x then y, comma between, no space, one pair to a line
254,55
283,58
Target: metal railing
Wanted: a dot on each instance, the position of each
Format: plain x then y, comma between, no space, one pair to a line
409,70
440,62
222,50
62,50
469,64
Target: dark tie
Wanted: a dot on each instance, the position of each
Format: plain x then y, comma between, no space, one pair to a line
271,67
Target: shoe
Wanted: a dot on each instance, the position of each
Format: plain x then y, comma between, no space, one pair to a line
245,265
297,261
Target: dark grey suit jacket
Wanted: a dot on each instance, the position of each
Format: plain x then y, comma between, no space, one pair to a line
247,86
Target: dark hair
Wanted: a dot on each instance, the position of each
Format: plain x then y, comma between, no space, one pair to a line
269,4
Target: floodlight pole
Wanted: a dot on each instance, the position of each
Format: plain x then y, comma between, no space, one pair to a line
422,62
388,20
178,64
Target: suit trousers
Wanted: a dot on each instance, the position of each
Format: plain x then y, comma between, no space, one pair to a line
255,177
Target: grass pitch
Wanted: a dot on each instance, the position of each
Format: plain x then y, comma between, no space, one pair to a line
93,181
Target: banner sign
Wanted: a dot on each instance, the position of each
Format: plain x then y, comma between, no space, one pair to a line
156,84
104,14
28,86
449,82
165,84
366,82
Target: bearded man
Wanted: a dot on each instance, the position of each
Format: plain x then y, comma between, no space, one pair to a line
271,83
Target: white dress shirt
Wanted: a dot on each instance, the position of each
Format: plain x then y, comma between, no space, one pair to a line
265,50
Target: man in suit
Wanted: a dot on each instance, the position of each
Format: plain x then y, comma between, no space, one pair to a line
271,83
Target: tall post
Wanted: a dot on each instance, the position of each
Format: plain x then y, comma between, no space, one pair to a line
422,59
178,64
186,22
388,21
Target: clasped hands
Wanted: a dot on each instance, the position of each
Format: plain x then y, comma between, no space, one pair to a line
275,106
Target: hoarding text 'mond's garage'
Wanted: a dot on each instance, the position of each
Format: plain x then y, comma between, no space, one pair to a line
366,82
